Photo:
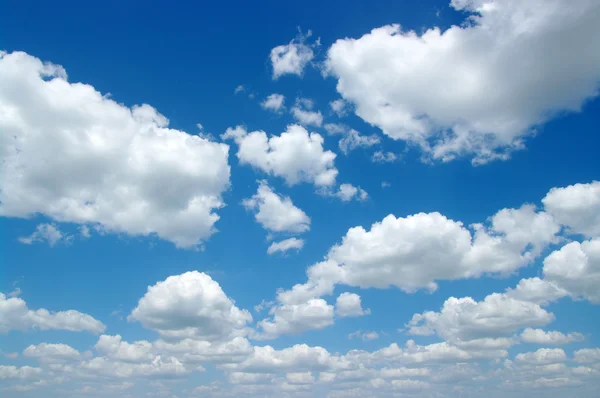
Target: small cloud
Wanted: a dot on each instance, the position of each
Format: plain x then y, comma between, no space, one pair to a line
239,89
385,184
303,113
348,192
273,102
46,233
335,128
286,245
364,336
15,293
384,157
84,231
339,107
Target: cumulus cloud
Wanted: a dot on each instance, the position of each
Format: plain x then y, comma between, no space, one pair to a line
274,102
276,213
120,167
296,155
303,112
19,373
539,336
46,233
15,315
433,88
293,57
543,356
190,305
285,245
335,128
577,207
463,319
576,268
51,352
349,304
347,192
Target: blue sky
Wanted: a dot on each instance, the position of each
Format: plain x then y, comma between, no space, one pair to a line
409,189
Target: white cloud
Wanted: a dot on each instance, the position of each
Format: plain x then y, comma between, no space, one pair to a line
335,128
587,355
190,305
303,113
250,378
296,318
119,167
46,233
285,245
273,102
239,89
14,315
295,155
349,304
276,213
51,352
19,373
291,58
433,89
576,268
114,348
536,290
364,336
347,192
339,107
384,157
543,356
353,140
576,206
463,319
300,378
539,336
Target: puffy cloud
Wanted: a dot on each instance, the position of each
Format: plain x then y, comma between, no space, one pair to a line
303,112
353,140
51,352
295,155
536,290
19,373
159,366
285,245
293,57
300,378
543,356
463,319
384,157
347,192
335,128
349,304
433,88
339,107
119,167
276,213
199,351
274,102
576,268
46,233
190,305
15,315
296,318
114,348
297,358
576,206
250,378
538,336
587,355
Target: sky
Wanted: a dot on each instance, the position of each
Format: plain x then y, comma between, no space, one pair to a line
300,199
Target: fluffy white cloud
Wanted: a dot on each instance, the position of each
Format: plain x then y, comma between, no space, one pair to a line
295,155
576,268
539,336
536,290
353,140
14,315
46,233
19,373
199,351
273,102
119,167
339,107
300,378
291,58
303,112
296,318
51,352
114,348
349,304
463,319
285,245
577,207
276,213
543,356
433,89
190,305
587,355
347,192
